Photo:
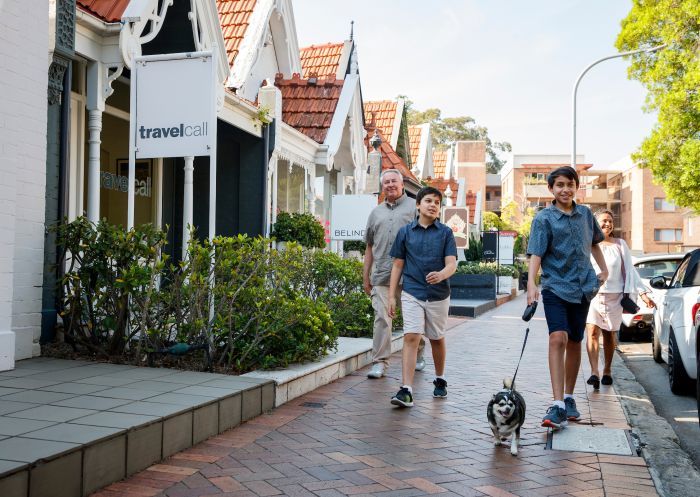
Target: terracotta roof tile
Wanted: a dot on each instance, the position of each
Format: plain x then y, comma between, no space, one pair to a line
107,10
439,162
321,60
234,16
309,107
382,115
414,136
441,184
390,159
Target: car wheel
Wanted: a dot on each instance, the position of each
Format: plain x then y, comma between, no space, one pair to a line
678,378
656,346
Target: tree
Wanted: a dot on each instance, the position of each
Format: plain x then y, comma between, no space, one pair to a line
446,130
672,77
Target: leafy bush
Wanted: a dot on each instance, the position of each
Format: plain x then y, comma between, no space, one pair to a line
358,245
486,268
302,228
475,250
123,300
109,272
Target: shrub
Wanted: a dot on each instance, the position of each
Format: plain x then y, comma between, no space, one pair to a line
302,228
358,245
475,250
486,268
109,272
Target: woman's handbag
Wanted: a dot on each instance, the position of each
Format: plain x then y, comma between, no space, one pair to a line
629,306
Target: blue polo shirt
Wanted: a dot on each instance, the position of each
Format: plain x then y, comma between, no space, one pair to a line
424,251
564,242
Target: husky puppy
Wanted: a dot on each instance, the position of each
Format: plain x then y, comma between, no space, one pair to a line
506,414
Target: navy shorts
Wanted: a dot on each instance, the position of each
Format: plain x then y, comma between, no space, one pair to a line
565,316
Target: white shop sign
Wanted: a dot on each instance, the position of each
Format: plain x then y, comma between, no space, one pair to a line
175,110
349,214
506,244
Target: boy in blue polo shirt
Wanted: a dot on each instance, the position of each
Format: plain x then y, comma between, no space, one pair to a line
563,237
426,254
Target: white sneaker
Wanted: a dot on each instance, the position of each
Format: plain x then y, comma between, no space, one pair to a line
420,363
377,370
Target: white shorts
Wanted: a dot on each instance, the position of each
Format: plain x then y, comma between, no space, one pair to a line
425,318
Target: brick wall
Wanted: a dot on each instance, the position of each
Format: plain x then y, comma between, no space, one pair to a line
23,86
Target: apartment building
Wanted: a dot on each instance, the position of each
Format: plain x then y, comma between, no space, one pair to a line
470,165
524,181
648,221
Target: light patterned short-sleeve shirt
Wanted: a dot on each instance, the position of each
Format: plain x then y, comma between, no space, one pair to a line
383,224
564,242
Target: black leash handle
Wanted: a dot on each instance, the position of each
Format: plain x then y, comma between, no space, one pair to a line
527,332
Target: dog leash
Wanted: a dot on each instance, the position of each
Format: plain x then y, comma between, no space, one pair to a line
527,332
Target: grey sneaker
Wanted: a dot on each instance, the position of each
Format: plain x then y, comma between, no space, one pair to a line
572,413
555,418
420,363
403,398
377,371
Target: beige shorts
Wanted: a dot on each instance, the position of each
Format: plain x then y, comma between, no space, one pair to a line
425,318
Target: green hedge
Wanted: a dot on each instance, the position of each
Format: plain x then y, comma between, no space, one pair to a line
123,299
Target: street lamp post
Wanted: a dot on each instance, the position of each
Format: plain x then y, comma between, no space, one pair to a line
578,80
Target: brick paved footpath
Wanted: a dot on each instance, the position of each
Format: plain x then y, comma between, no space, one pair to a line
346,439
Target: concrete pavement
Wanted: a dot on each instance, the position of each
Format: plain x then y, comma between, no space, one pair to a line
346,439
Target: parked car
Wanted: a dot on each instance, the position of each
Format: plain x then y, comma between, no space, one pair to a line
648,266
675,330
697,359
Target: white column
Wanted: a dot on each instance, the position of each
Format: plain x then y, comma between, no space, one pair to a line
94,141
187,220
273,214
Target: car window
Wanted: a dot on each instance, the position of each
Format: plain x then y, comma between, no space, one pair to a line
676,281
692,274
650,269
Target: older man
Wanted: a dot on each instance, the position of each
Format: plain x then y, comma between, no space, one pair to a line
383,224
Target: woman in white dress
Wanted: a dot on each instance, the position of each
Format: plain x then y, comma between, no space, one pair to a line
605,312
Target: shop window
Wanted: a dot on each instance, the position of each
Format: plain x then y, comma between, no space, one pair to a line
290,188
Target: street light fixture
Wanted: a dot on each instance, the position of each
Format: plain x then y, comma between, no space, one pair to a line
578,80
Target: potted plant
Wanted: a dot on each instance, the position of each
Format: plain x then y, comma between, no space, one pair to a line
300,227
474,280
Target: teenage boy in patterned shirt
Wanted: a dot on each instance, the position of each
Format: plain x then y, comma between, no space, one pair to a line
563,237
426,254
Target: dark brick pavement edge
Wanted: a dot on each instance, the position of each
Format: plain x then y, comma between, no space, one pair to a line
673,471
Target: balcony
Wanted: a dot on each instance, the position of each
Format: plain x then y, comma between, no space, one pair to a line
493,205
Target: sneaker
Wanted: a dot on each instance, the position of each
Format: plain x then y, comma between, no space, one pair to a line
572,413
440,390
420,363
403,398
377,371
555,418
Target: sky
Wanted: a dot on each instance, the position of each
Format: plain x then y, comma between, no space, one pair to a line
509,64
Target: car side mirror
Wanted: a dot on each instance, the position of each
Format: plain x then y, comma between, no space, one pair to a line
658,282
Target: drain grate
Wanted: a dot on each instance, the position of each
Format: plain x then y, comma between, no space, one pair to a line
315,405
593,439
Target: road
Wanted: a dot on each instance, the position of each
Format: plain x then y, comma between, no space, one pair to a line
681,412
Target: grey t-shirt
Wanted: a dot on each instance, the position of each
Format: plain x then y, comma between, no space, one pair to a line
383,224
